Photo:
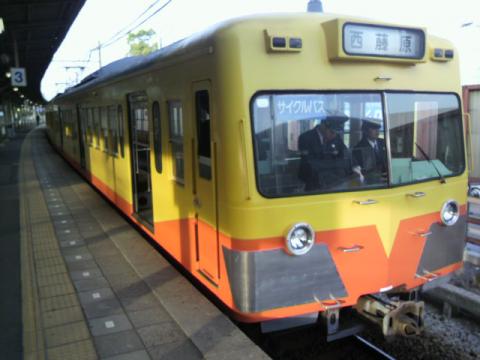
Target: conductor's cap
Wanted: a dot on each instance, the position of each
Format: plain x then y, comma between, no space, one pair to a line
335,123
370,124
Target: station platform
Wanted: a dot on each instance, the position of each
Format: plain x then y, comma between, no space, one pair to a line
93,287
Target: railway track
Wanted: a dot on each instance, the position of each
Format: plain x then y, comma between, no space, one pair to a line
376,351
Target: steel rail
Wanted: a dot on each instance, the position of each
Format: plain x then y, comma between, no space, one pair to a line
372,347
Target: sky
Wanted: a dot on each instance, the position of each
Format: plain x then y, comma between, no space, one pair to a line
100,21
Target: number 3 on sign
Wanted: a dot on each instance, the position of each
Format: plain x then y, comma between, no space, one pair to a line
19,76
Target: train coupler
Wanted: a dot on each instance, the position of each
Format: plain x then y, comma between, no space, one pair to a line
395,317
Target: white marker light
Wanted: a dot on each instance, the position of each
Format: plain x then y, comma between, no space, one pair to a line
300,239
450,213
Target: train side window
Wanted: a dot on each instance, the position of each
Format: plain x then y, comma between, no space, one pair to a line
104,124
113,127
157,136
90,126
121,133
176,139
202,109
96,123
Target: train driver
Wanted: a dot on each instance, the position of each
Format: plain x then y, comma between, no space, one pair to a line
370,152
325,160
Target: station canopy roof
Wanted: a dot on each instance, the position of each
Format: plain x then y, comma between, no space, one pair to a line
35,28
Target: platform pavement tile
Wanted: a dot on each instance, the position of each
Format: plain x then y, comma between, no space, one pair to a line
102,308
122,280
65,334
86,274
112,268
88,297
104,249
72,243
109,324
117,343
142,318
159,334
63,234
184,350
59,302
62,316
80,250
78,257
63,222
52,270
81,350
53,279
91,284
137,303
82,265
135,355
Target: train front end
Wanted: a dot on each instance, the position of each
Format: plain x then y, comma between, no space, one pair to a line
352,186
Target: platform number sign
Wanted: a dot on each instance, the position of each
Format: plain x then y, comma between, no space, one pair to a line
19,76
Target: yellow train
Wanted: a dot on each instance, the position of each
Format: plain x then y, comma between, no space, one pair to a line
297,165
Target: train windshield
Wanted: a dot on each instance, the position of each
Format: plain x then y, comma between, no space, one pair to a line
425,136
308,143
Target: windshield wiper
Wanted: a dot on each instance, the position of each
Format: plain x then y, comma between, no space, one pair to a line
442,178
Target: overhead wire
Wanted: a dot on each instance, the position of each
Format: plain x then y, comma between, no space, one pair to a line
134,21
113,40
125,30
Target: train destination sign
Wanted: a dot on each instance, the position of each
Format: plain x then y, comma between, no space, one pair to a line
383,41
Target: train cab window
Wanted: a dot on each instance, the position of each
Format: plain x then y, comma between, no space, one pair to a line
175,112
113,130
425,136
202,110
309,143
121,133
157,136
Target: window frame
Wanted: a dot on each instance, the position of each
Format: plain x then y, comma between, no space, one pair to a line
176,141
157,135
204,162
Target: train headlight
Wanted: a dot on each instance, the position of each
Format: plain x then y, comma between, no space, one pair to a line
450,212
300,239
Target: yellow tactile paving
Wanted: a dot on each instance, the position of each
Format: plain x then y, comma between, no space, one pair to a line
56,290
59,302
65,334
53,279
61,317
82,350
49,271
33,345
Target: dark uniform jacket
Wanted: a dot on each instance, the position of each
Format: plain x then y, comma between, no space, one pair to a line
368,159
322,165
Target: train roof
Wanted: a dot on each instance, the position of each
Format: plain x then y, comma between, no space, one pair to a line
132,64
129,65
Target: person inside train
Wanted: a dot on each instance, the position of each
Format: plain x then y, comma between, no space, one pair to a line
325,160
370,152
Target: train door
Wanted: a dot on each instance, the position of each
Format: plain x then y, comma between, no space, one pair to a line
140,157
205,197
81,135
